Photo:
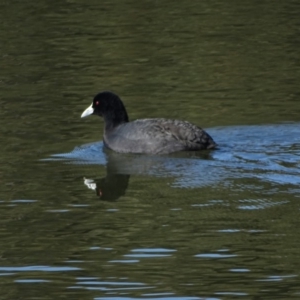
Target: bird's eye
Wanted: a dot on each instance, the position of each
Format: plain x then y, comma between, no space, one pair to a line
97,102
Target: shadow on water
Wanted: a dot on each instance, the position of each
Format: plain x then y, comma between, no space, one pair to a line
268,154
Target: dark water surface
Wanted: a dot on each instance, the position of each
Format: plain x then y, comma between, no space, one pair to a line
79,222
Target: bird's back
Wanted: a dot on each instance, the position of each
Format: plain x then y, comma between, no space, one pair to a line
157,136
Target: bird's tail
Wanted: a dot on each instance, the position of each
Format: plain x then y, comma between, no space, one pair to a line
211,144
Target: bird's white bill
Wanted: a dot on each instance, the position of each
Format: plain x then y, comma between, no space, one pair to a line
88,111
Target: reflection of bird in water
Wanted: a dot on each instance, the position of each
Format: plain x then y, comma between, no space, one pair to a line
115,183
120,167
109,188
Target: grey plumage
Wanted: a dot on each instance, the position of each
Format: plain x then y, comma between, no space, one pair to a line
150,136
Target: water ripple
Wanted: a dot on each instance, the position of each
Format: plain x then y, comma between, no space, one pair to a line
267,153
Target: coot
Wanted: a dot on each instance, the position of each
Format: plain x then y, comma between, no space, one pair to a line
150,136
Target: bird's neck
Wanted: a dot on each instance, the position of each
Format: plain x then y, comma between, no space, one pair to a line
114,119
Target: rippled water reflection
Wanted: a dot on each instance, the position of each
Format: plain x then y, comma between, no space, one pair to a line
91,224
268,153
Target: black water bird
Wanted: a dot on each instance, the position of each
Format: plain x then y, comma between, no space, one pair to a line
149,136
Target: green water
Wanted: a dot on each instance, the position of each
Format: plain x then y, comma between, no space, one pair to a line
81,223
